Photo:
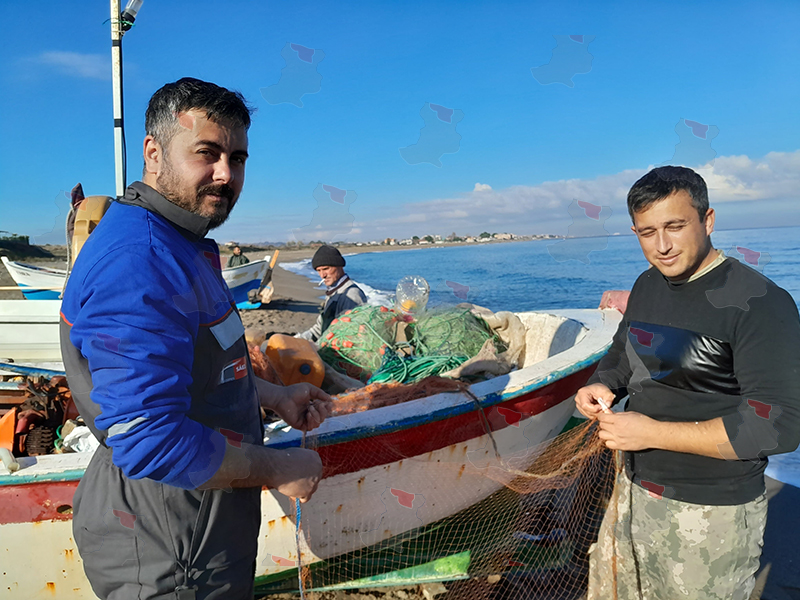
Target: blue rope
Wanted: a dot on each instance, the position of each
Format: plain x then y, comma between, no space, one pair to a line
298,516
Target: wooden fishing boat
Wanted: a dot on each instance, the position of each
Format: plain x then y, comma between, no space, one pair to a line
387,471
41,283
35,282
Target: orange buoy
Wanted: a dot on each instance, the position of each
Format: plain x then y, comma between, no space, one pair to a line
296,360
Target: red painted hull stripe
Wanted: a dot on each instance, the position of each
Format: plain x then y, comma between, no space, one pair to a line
34,502
358,455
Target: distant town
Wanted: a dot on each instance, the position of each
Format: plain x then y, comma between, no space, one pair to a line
416,240
17,246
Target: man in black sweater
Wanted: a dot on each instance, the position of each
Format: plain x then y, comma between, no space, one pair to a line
709,354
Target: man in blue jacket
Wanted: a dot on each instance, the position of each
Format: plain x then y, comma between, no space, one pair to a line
157,362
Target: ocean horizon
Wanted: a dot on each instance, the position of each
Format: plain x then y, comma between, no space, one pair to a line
549,274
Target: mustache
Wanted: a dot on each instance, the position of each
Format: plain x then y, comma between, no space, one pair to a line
223,190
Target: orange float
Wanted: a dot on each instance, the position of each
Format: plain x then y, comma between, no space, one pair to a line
295,360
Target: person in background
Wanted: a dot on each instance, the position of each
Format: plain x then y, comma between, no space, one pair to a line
170,504
708,352
342,294
237,259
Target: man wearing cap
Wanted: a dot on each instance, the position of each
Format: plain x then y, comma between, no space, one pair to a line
342,294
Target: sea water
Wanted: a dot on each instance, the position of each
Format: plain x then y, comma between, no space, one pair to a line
552,274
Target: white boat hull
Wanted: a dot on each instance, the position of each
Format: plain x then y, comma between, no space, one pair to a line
29,330
360,502
41,283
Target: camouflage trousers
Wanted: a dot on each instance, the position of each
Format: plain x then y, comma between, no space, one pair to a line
655,548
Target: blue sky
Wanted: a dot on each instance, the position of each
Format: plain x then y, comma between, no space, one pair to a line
527,150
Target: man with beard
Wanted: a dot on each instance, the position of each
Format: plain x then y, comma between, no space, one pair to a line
157,362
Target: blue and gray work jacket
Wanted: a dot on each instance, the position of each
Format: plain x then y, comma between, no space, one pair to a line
158,366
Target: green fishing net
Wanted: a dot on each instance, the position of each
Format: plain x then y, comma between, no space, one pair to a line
356,342
450,331
363,343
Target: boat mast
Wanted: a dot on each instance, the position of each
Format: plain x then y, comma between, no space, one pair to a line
120,23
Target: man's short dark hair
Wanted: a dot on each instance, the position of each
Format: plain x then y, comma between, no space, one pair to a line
665,181
220,105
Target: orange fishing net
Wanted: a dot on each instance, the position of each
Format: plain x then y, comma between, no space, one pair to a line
379,395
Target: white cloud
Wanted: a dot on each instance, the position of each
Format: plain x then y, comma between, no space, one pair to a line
765,183
88,66
776,176
746,192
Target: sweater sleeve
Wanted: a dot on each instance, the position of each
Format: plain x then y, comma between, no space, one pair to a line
313,333
766,353
614,370
140,349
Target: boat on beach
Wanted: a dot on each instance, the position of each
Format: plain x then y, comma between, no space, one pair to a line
42,283
388,472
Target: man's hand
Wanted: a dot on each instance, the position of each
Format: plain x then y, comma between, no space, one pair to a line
588,400
303,406
298,474
294,472
630,431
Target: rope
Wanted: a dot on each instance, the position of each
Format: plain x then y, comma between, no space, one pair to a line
298,515
411,369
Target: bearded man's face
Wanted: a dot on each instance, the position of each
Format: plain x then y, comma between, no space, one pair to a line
203,167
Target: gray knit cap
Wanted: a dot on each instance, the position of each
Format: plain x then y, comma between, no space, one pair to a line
327,256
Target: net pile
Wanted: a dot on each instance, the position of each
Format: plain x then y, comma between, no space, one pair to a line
356,343
376,344
378,395
507,514
451,332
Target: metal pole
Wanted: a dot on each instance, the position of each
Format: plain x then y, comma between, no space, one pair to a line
116,83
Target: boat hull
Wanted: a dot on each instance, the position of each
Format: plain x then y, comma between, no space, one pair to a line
387,472
40,283
244,278
36,283
29,330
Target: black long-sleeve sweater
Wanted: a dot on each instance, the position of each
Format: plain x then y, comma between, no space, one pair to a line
724,345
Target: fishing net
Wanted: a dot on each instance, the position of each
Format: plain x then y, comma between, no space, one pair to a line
507,511
376,344
356,343
451,332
